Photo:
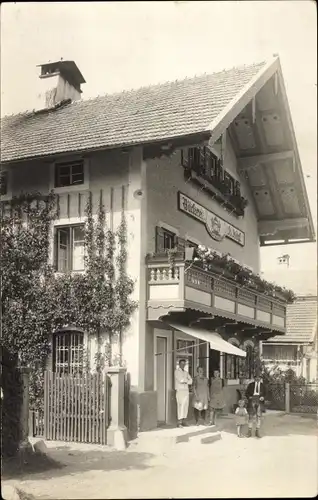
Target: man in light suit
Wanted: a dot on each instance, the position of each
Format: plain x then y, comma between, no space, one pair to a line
255,394
182,380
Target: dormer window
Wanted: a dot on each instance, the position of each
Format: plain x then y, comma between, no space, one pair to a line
69,174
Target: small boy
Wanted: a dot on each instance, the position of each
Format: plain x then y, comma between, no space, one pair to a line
241,417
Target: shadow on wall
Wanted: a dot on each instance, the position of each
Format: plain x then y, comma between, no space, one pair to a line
64,460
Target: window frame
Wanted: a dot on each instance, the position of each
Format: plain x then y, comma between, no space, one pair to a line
160,229
84,186
69,247
173,238
67,335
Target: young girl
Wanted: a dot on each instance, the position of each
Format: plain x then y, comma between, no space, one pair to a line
241,416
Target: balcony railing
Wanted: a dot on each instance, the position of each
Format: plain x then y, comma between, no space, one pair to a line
184,286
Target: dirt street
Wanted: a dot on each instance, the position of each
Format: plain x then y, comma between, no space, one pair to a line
281,464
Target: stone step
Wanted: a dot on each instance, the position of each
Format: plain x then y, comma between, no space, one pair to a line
160,440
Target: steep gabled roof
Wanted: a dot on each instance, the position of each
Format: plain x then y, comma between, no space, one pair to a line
301,321
145,115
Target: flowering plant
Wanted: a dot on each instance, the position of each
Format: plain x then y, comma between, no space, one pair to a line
212,260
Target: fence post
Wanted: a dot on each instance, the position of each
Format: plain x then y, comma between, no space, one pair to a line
287,397
31,423
24,415
46,406
117,431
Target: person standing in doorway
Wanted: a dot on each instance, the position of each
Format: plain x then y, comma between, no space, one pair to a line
217,400
255,394
200,395
182,381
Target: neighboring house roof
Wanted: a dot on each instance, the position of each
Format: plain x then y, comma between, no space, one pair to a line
301,322
145,115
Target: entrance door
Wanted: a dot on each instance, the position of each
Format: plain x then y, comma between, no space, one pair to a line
161,377
214,362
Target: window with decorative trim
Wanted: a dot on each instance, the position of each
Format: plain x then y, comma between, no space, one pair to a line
68,351
69,173
69,248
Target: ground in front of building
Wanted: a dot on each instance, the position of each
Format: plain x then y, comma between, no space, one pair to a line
210,463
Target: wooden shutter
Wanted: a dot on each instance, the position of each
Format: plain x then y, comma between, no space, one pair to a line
185,157
159,240
180,244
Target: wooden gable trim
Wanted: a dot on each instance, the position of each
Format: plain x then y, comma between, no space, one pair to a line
236,105
297,162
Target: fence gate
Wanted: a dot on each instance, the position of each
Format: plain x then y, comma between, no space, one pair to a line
276,396
304,398
76,407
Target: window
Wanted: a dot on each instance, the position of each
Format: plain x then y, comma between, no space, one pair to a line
185,350
69,174
165,240
280,352
232,366
207,165
69,248
3,183
68,347
169,239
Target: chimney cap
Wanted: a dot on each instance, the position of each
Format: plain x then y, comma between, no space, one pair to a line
68,69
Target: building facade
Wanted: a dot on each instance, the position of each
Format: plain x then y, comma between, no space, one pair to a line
210,162
297,349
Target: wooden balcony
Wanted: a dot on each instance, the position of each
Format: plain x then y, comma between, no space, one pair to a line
185,287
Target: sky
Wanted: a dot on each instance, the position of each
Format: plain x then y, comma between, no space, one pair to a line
124,45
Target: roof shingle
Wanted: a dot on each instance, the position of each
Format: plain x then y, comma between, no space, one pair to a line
148,114
301,321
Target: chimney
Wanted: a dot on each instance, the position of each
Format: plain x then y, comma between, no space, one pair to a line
60,81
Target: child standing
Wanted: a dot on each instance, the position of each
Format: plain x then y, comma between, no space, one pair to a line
241,417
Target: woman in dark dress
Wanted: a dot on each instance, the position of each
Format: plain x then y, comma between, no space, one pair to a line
217,401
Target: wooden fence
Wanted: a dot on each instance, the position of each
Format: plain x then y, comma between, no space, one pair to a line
36,423
76,408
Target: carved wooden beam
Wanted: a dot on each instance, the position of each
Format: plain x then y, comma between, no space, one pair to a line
252,161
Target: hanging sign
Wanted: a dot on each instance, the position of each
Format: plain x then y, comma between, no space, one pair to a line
217,227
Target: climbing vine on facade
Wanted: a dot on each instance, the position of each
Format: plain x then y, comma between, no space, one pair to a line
36,301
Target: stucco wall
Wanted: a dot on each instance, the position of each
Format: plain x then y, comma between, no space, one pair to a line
165,177
116,176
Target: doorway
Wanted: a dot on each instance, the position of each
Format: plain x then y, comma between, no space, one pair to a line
214,362
161,378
